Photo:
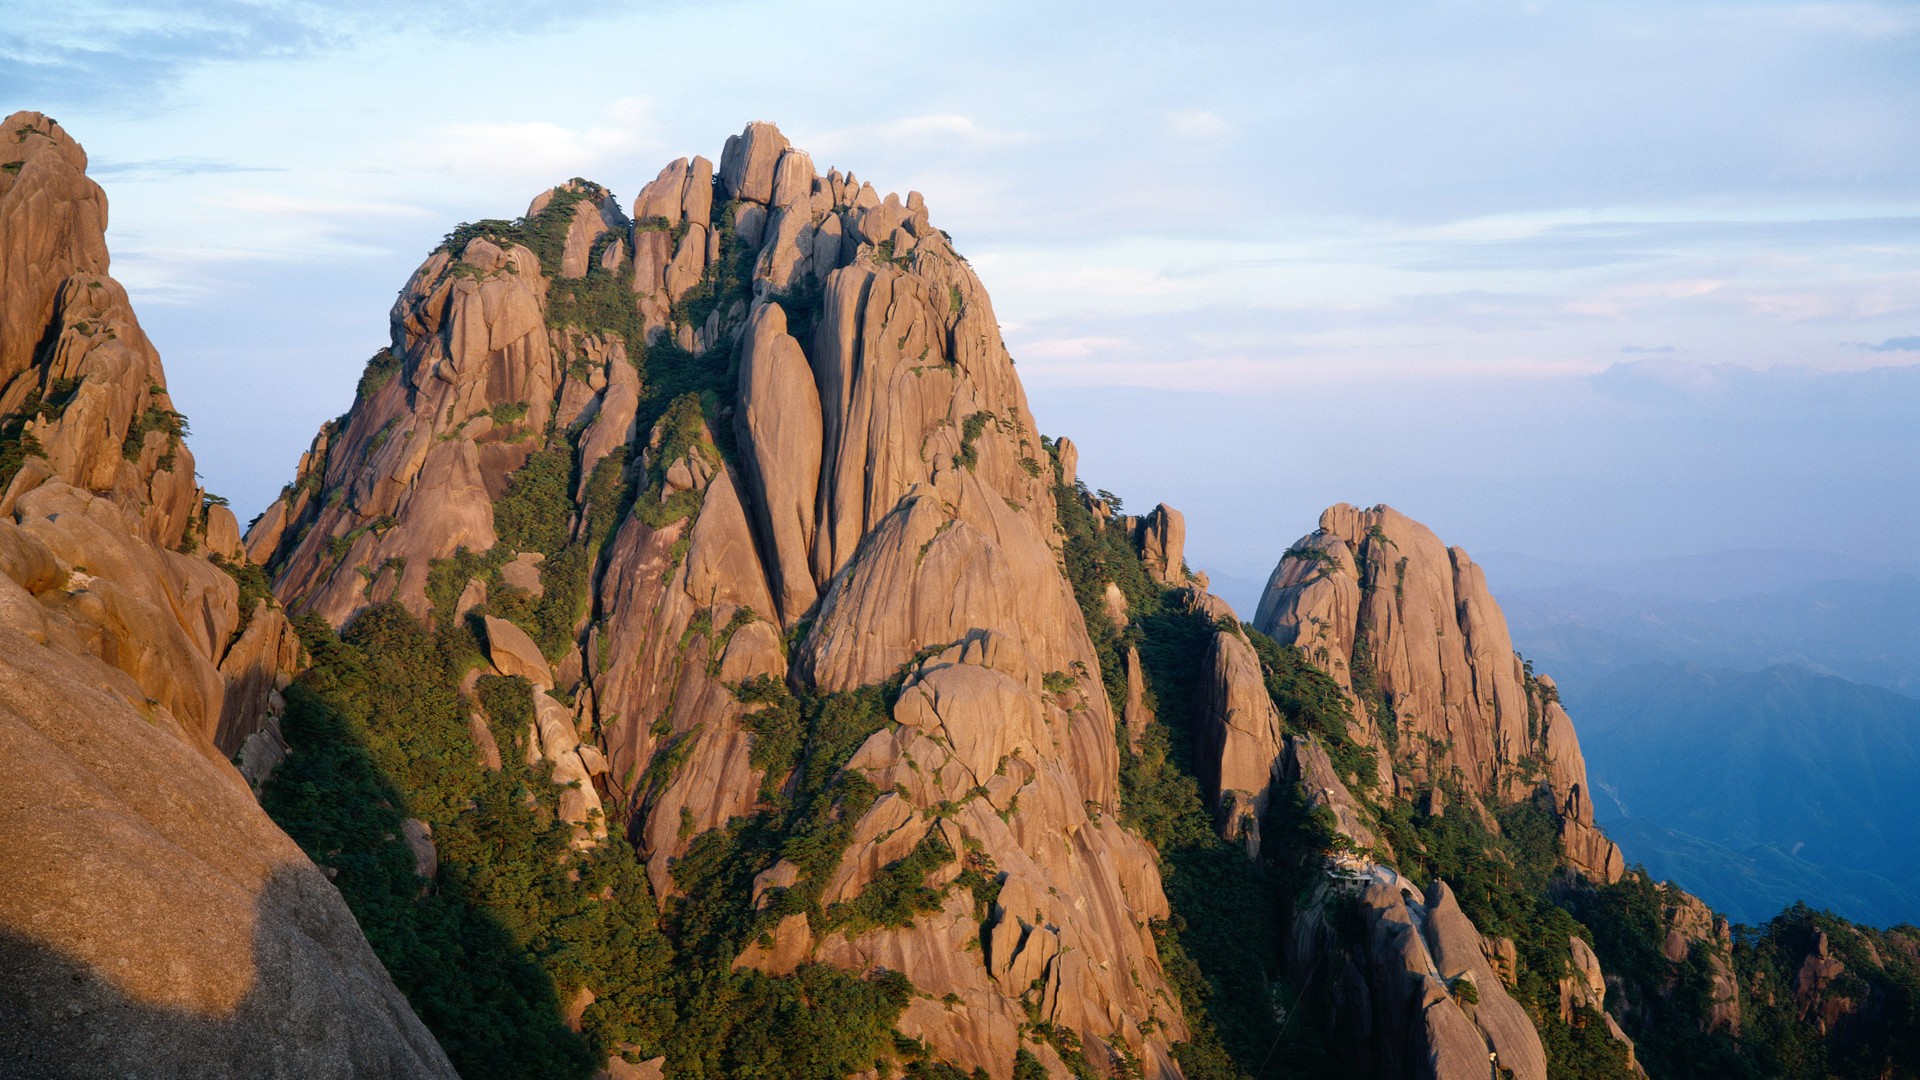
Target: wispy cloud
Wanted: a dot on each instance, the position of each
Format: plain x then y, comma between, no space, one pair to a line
172,167
1648,349
272,204
128,51
539,151
89,50
1883,396
1575,245
1892,344
936,127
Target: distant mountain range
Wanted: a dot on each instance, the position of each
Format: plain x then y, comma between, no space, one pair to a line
1737,610
1750,718
1756,789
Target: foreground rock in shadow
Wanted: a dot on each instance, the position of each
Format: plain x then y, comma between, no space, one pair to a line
153,921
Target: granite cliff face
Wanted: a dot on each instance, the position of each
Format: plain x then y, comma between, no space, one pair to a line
792,458
1407,627
153,921
1374,702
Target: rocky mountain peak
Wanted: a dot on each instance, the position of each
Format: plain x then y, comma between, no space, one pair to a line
707,669
80,386
1407,626
761,433
96,479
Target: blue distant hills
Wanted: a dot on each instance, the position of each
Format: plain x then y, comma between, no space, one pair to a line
1750,719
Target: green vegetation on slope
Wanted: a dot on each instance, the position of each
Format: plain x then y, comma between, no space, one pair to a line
1873,1003
516,923
1222,948
512,922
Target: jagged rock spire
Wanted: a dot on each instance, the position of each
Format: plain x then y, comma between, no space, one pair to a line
857,495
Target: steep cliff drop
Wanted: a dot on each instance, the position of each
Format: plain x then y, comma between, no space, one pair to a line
1350,805
1456,723
1406,626
153,921
745,490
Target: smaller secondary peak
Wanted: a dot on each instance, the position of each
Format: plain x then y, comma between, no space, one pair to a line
27,133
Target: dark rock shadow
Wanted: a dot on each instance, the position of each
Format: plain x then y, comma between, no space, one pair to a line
321,1006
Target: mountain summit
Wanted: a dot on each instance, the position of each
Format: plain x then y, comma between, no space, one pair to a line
689,473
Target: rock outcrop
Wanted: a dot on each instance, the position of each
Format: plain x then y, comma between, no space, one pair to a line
1237,751
1416,996
858,497
1407,626
154,922
1694,930
1424,681
1162,539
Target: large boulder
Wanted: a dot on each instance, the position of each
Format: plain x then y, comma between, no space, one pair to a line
513,652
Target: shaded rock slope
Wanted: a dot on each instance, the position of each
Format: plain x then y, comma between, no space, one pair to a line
1363,896
153,920
1463,910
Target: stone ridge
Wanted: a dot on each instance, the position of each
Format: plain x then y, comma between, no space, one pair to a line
863,496
154,922
1407,627
1420,656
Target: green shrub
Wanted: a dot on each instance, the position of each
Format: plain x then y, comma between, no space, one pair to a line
1463,990
778,731
682,425
16,446
381,367
727,280
970,431
537,509
379,734
254,587
156,417
897,893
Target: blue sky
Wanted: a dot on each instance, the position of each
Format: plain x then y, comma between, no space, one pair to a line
1254,258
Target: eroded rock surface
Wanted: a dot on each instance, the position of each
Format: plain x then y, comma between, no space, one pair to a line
153,922
1416,997
880,511
1407,626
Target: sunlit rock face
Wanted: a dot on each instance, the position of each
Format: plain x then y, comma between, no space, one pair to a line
1407,626
153,921
861,495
